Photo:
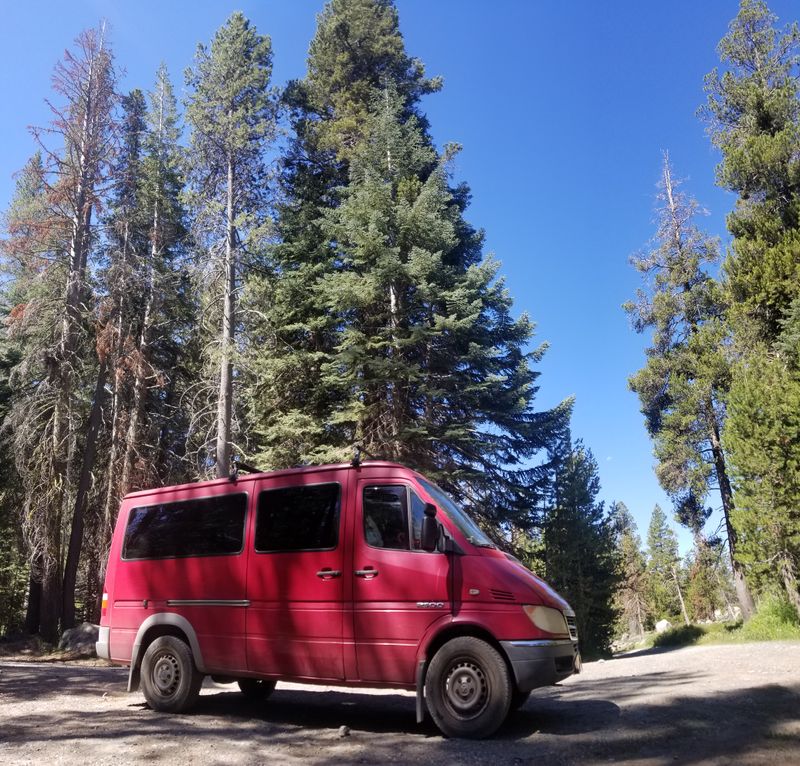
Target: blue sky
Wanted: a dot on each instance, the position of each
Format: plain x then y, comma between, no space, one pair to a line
563,110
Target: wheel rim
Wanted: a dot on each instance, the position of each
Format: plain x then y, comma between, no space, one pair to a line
166,674
466,689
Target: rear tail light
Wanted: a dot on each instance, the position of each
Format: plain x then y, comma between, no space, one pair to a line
104,605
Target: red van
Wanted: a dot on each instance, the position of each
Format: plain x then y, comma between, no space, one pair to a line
360,575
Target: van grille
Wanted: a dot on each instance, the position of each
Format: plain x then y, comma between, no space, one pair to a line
573,628
502,595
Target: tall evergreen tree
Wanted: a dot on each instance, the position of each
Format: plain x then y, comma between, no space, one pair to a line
34,275
704,587
663,564
386,327
144,308
49,410
356,53
632,591
231,113
753,117
753,113
579,547
762,435
682,386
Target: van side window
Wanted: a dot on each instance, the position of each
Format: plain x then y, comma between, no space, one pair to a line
209,526
304,518
385,512
417,515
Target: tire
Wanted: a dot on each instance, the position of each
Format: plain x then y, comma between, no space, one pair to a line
468,688
256,689
518,699
170,681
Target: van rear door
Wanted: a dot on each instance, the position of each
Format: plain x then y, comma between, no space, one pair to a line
294,579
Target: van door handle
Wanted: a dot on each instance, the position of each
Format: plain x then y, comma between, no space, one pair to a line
329,574
369,573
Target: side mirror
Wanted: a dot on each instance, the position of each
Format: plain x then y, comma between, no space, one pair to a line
430,529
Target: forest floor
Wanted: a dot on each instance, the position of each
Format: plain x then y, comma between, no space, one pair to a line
720,704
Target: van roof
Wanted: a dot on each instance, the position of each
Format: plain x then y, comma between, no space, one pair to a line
263,474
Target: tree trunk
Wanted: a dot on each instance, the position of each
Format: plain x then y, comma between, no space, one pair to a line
111,466
743,594
680,596
225,400
789,578
84,482
33,610
722,590
133,439
639,617
49,613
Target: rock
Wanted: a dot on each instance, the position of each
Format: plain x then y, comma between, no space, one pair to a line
80,640
662,626
344,731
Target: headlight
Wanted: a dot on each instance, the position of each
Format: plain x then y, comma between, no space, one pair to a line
547,619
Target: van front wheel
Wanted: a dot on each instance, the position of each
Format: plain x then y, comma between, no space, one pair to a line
170,681
468,688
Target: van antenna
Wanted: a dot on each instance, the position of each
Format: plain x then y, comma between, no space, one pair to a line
240,466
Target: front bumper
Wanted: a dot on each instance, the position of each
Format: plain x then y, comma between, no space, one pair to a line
542,663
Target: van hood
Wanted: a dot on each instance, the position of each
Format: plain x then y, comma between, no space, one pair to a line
528,581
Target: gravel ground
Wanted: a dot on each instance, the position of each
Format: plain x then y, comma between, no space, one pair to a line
711,704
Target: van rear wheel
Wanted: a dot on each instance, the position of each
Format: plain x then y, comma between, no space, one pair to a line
170,681
256,689
468,688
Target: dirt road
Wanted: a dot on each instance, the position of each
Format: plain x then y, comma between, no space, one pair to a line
715,704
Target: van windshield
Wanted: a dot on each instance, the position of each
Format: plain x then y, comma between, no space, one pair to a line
465,524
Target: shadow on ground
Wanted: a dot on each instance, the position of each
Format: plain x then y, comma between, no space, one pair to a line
652,717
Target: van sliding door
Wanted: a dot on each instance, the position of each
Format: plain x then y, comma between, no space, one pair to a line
294,579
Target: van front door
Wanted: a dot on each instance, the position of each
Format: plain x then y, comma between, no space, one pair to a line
294,579
398,589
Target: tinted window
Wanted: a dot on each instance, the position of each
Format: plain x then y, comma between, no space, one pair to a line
417,515
386,517
211,526
298,518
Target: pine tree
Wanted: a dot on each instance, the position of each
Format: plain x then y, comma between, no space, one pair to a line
48,416
632,591
231,114
663,568
682,386
356,53
753,113
14,568
704,588
762,435
34,275
383,325
753,117
142,316
579,547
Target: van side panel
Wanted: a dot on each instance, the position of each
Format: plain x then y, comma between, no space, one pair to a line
296,598
208,591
